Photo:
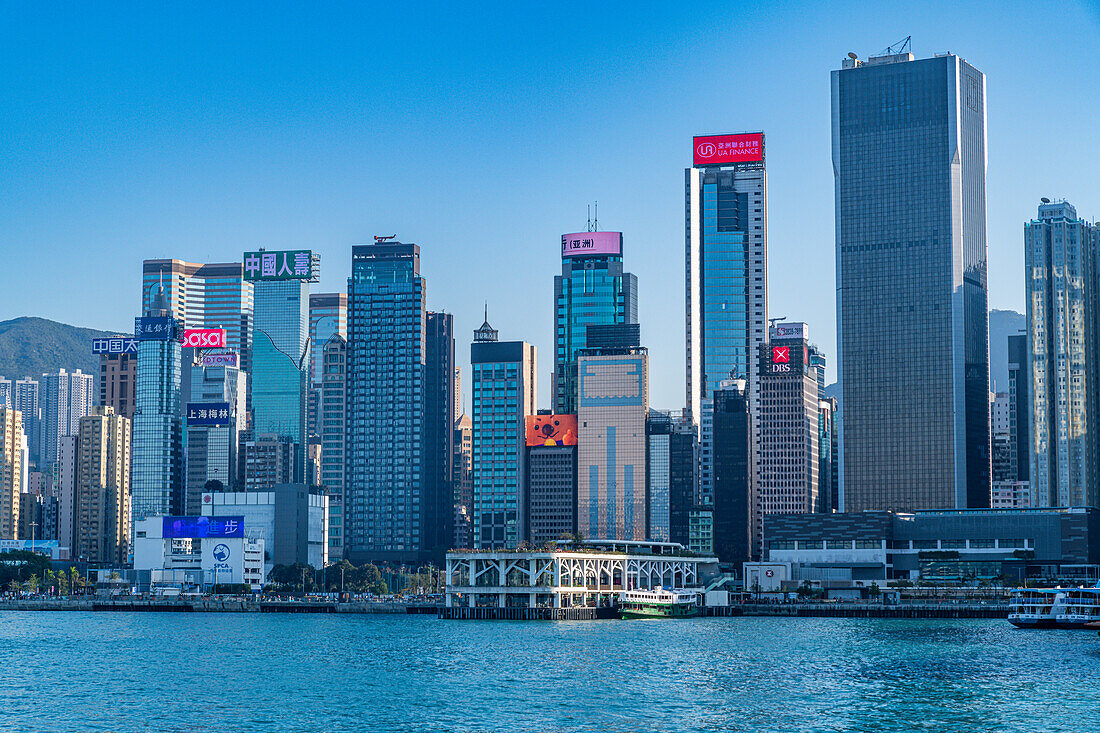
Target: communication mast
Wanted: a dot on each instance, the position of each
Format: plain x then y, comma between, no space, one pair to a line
902,46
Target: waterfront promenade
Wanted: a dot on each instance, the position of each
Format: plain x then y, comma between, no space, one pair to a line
918,609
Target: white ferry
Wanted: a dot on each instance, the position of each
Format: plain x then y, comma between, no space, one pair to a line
1055,608
659,603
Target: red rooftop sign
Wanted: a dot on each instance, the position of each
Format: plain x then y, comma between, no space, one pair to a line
721,149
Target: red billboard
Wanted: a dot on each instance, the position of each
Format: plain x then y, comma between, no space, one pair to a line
204,338
725,149
551,430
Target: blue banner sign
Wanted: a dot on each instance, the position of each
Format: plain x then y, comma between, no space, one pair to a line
196,527
116,345
213,414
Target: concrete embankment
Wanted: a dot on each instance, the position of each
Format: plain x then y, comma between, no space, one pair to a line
209,605
867,610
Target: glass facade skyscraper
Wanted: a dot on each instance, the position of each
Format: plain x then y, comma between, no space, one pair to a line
384,498
503,393
328,316
909,162
613,403
280,362
591,290
726,221
333,420
211,453
157,440
1060,265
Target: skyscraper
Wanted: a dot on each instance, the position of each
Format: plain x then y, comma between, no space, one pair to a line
672,468
333,409
1060,266
117,379
213,295
503,394
157,440
909,165
101,503
592,289
463,482
439,409
789,457
64,398
613,403
733,480
215,417
25,399
328,316
384,493
11,471
6,392
1020,402
726,223
551,479
280,344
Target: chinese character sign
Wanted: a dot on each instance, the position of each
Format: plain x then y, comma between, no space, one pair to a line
282,265
723,149
209,414
193,527
584,244
117,345
154,328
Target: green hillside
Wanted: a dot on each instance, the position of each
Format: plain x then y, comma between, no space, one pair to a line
30,346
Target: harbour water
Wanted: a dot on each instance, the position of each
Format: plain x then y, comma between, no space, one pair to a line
80,671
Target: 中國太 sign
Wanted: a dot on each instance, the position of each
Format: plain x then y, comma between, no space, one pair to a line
283,265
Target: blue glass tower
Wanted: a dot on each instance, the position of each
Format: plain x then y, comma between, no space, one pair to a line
280,360
157,441
384,491
503,394
591,290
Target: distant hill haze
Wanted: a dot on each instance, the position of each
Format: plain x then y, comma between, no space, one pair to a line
31,347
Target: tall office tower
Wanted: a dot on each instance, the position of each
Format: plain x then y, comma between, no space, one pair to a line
826,442
157,463
64,398
11,471
733,489
1060,265
463,482
101,503
503,391
25,399
909,166
439,410
6,392
328,316
1003,460
215,416
118,357
591,290
280,344
334,357
789,452
657,429
551,479
726,218
384,497
214,295
1020,405
613,402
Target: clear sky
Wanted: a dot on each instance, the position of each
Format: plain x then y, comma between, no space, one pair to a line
481,131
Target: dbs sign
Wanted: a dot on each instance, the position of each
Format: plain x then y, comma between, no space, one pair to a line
781,359
204,338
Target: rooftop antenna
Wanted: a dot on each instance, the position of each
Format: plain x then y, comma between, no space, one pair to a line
902,46
588,224
596,218
773,321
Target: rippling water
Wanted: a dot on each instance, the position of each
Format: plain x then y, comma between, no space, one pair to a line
248,672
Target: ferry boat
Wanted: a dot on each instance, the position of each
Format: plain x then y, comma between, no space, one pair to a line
1055,608
658,603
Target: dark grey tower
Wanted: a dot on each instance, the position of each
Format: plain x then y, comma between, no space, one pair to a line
909,164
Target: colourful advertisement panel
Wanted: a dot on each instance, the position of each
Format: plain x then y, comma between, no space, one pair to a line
229,359
585,244
118,345
204,338
724,149
193,527
551,430
296,264
209,414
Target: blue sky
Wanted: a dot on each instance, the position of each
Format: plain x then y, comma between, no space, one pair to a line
482,132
